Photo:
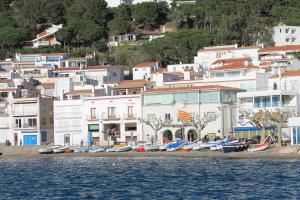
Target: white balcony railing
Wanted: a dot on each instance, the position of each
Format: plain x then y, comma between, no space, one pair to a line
92,117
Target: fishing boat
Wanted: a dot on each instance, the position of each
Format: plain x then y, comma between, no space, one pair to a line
175,146
46,151
164,147
151,147
124,149
97,150
261,147
77,150
188,146
219,145
235,147
59,150
68,150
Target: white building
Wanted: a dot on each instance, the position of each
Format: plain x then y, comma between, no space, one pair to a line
206,56
109,118
116,3
144,70
164,104
286,35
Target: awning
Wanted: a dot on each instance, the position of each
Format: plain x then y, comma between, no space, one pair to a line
240,129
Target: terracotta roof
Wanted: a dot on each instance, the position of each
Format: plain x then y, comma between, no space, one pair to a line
208,87
47,85
8,90
145,64
288,74
232,60
81,69
159,71
78,58
30,67
234,66
78,92
131,84
293,48
224,48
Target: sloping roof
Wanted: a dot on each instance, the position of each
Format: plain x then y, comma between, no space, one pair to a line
293,48
145,64
232,60
47,85
96,67
131,84
208,87
159,71
79,92
287,74
234,66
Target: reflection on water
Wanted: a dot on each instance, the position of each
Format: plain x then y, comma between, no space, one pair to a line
148,178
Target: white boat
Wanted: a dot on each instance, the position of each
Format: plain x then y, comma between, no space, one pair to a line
151,147
124,149
261,147
59,150
100,149
77,150
46,151
163,147
189,146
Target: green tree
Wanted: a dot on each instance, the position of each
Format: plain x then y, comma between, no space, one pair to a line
150,15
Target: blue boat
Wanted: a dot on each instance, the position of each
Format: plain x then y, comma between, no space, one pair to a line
235,147
175,146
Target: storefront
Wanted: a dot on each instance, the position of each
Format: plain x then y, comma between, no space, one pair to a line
294,124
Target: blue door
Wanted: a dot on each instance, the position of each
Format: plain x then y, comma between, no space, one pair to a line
30,139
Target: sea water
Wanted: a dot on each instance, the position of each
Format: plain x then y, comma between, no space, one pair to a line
148,178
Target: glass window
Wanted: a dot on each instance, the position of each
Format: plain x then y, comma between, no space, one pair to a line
210,97
298,138
257,102
167,99
266,102
152,99
151,117
168,117
111,111
228,96
233,74
192,97
93,127
275,101
219,74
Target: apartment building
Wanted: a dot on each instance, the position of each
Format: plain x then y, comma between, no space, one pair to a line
286,35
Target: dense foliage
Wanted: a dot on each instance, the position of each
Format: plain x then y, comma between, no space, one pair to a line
89,23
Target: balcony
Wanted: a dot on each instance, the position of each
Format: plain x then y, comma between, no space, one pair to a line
130,117
24,126
92,117
107,117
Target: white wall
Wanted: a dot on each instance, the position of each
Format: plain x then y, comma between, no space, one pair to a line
286,35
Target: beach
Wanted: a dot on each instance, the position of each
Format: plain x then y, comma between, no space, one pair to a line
283,153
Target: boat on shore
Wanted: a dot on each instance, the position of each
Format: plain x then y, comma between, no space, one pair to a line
59,150
261,147
175,146
235,147
123,149
46,151
97,150
151,147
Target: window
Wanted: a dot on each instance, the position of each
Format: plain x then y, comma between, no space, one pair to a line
114,74
44,136
275,101
130,111
135,70
287,30
279,30
167,99
210,97
287,39
18,123
219,74
234,74
67,139
111,112
152,99
93,127
210,114
266,102
293,39
275,86
93,113
167,117
293,31
256,102
130,127
151,117
32,122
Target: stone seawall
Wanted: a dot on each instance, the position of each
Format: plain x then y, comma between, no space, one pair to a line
20,149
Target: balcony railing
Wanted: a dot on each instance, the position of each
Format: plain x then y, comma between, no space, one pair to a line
24,126
107,117
92,117
130,117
